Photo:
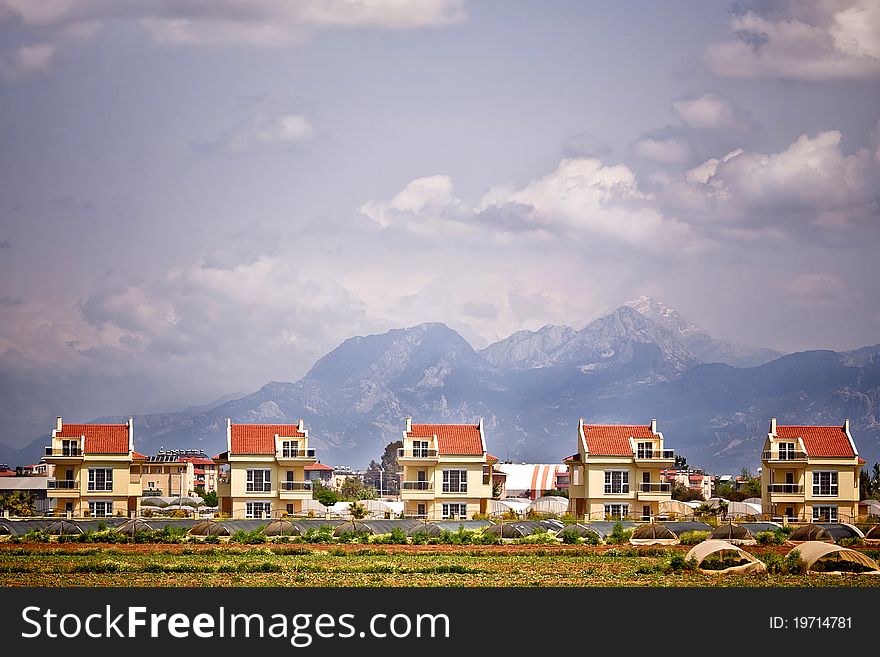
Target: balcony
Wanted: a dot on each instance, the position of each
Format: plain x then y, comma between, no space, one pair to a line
416,485
295,490
296,485
653,490
785,489
63,453
414,456
783,456
295,454
655,455
62,488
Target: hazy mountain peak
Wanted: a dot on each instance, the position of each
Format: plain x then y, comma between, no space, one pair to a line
664,315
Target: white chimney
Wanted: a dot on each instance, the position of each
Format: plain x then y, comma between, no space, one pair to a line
846,425
653,426
300,426
58,424
408,424
773,425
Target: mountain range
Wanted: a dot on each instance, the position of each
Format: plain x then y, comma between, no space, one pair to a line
713,399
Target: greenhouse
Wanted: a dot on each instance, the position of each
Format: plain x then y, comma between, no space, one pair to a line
819,556
675,509
210,528
583,531
873,534
550,504
63,528
831,532
714,556
520,528
281,528
742,533
508,505
605,528
432,529
665,533
133,526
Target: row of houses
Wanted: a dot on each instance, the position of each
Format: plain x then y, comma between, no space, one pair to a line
446,471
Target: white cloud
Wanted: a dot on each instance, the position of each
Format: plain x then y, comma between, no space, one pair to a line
811,181
26,60
423,205
264,131
813,40
819,290
711,112
263,23
663,149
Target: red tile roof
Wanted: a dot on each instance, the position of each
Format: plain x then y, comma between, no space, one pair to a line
458,439
139,456
819,441
260,438
100,438
613,439
318,466
195,460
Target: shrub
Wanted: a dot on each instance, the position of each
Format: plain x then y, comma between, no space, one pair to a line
678,563
570,537
481,516
774,537
792,564
248,538
653,568
349,536
773,563
484,538
618,535
692,538
568,519
396,537
849,542
420,538
537,537
211,538
322,534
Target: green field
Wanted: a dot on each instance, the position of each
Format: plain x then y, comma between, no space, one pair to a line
374,566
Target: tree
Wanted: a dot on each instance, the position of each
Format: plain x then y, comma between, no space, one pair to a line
353,489
681,462
357,511
210,497
384,474
323,494
555,492
869,483
18,503
682,493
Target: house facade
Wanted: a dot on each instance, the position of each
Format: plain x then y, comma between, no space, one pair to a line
446,472
266,477
96,471
617,472
810,473
205,472
167,474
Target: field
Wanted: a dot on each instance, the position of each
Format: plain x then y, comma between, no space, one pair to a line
54,565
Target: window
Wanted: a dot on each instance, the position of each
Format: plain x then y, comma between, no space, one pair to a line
421,510
290,509
825,513
70,448
455,481
616,481
786,451
258,510
616,511
151,485
645,450
420,448
101,479
101,509
646,512
454,511
290,449
825,483
259,481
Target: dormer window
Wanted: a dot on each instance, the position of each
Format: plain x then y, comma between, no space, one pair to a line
645,450
290,449
786,451
420,448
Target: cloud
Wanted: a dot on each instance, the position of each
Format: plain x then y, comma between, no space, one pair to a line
27,60
813,40
586,144
5,244
712,112
820,290
262,132
812,181
582,200
663,149
258,23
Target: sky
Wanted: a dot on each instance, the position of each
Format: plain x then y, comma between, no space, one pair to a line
212,195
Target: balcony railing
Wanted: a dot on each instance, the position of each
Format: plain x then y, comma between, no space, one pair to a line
295,453
62,484
416,453
784,456
416,485
152,492
664,454
296,485
64,451
786,489
654,487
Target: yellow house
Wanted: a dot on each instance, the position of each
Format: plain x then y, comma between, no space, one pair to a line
446,472
810,473
96,471
616,472
266,476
